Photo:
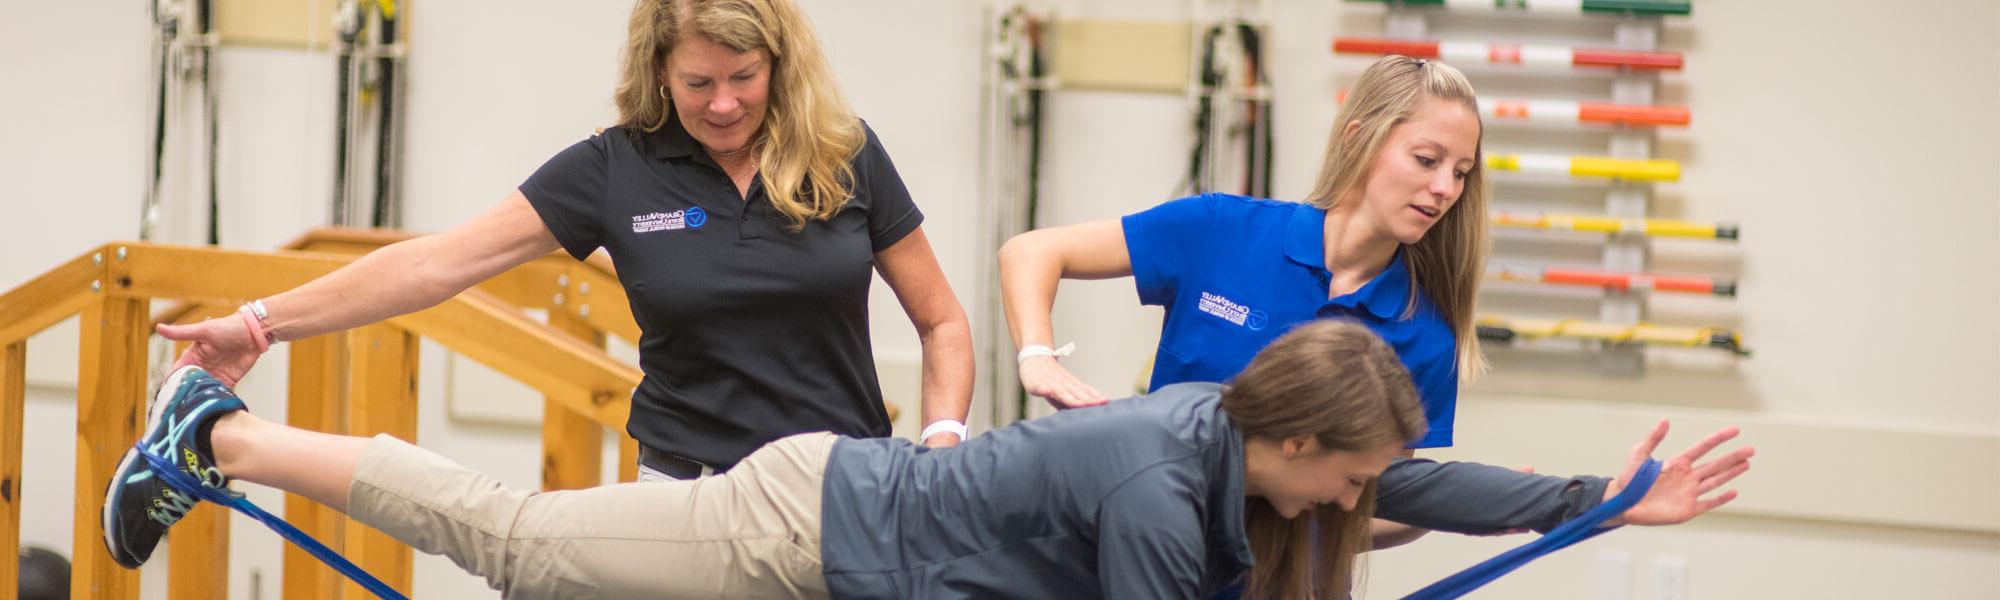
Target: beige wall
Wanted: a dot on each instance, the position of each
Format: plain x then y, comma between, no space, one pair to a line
1852,140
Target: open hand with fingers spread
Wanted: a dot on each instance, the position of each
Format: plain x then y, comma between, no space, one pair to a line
1683,489
1043,377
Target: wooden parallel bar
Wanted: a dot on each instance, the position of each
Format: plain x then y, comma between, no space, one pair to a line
216,276
198,557
111,383
572,443
484,329
13,402
382,377
49,298
315,392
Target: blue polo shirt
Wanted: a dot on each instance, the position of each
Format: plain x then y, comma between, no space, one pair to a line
1234,273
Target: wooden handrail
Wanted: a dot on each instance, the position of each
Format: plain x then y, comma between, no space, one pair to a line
589,289
111,286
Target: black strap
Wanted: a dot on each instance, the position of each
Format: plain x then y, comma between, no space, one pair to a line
672,465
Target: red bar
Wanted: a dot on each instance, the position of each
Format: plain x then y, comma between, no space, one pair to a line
1630,114
1621,58
1623,281
1410,48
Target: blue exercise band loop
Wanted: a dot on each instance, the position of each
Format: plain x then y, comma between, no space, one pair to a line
1581,528
179,480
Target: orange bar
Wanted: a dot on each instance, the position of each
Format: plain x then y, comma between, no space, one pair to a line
1620,58
1624,281
1631,114
1411,48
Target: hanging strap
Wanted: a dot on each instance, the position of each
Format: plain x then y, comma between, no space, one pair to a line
1583,527
179,480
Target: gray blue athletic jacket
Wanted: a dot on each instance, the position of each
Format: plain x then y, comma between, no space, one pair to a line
1140,498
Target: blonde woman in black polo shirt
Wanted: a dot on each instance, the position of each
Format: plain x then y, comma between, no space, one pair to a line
746,207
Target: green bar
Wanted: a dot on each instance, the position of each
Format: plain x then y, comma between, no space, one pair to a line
1643,7
1639,7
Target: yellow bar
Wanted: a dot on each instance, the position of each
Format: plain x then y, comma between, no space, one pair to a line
1621,168
1640,333
1592,224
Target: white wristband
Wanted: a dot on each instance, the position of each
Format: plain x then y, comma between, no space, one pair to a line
1034,350
943,426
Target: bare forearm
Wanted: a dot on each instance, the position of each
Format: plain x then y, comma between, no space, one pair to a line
948,371
1028,278
398,279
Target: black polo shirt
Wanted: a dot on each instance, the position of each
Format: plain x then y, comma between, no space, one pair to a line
750,331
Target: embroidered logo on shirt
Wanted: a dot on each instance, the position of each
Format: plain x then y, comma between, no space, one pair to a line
689,218
1232,312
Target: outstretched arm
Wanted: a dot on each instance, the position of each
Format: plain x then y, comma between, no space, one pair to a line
403,277
1475,498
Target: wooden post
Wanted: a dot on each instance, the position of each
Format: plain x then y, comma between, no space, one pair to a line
13,400
572,443
110,410
382,361
628,458
198,553
318,383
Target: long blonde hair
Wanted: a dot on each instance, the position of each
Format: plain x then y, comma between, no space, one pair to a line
1449,261
810,135
1338,382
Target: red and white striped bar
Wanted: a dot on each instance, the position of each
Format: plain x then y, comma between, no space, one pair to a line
1720,286
1568,112
1532,55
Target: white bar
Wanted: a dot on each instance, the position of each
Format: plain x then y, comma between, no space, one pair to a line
1542,163
1462,52
1547,56
1554,6
1554,111
1472,5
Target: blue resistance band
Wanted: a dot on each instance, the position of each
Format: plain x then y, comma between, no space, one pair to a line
173,476
1581,528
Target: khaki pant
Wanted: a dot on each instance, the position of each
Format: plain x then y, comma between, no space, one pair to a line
751,533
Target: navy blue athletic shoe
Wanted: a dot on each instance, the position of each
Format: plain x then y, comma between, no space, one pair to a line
138,506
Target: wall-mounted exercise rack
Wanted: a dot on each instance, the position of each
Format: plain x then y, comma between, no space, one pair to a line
1624,168
1214,57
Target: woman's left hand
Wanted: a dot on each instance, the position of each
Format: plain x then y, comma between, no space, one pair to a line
1676,495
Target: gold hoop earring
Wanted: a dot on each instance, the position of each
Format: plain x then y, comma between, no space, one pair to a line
663,93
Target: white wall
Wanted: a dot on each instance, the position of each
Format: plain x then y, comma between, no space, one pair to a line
1852,140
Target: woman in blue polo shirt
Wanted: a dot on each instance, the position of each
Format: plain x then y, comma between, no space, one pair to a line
1392,235
748,210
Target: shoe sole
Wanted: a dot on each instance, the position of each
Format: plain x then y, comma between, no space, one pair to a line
112,489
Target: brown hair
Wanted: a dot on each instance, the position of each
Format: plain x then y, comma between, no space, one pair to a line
810,135
1449,261
1339,383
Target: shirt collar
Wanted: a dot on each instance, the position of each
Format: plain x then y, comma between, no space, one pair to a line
671,140
1388,293
1384,296
1305,240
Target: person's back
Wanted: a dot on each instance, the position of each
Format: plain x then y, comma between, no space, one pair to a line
1152,487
